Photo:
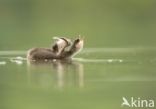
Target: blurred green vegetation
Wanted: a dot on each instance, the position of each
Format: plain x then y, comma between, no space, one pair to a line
104,23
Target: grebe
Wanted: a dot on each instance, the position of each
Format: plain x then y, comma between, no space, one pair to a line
49,54
58,47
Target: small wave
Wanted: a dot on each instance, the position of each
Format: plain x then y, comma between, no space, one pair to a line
99,60
90,50
18,60
2,62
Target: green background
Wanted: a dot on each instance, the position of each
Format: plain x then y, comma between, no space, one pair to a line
103,23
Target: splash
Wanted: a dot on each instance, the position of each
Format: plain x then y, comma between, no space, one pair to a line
3,63
18,60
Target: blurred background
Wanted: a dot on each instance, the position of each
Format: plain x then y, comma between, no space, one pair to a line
111,66
104,23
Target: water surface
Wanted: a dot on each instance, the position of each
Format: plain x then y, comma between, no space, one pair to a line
97,78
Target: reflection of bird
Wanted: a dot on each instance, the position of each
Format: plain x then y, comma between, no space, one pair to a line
125,102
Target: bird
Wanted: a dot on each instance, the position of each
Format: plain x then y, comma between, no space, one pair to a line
58,50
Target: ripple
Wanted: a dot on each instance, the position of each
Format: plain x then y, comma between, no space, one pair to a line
89,50
98,60
2,63
18,60
15,56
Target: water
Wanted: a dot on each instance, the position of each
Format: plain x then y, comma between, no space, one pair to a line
96,78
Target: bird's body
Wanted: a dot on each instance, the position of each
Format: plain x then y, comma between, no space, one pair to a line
50,54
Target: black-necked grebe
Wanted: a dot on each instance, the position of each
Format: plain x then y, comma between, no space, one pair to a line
58,47
58,50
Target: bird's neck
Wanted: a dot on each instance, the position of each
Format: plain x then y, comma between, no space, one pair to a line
68,53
